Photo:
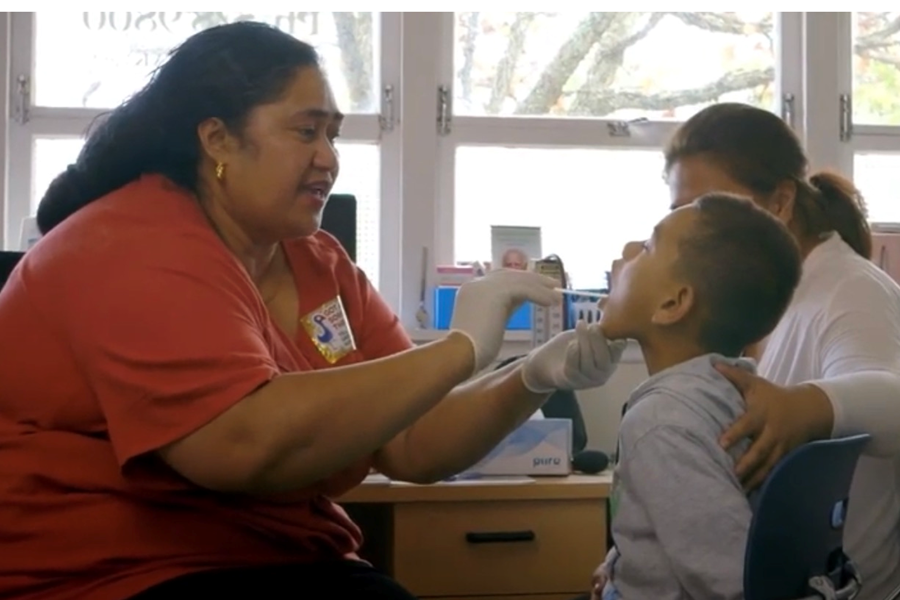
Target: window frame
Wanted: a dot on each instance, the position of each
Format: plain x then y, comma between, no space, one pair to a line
553,132
376,128
863,138
418,162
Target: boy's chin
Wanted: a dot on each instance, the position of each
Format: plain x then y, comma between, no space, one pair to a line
611,329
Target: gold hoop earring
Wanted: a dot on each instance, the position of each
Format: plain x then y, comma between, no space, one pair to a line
220,171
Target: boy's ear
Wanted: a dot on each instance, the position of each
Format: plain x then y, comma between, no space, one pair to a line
676,304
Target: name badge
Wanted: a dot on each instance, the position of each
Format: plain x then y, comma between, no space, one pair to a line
329,330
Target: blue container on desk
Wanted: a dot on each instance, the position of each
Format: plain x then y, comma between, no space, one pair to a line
445,297
584,308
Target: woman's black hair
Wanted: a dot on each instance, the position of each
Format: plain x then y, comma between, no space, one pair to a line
222,72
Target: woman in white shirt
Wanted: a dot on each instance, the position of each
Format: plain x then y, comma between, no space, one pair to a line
832,366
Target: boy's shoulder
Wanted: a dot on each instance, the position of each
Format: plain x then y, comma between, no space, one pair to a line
692,395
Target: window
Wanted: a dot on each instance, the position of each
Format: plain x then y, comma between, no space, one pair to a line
558,120
587,218
460,121
878,177
876,56
110,55
873,129
611,65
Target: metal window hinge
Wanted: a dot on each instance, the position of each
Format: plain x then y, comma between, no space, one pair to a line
846,117
444,110
22,104
387,118
787,109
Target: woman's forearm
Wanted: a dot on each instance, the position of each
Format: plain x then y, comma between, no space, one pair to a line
865,402
462,429
302,427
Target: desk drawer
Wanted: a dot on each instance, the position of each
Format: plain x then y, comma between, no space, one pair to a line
487,548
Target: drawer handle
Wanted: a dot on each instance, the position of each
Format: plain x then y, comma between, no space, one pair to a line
500,537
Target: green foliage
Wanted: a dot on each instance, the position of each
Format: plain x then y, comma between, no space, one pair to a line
876,92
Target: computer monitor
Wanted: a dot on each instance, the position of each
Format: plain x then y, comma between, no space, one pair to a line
339,219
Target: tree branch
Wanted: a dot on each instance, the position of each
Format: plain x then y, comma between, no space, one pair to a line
722,22
609,57
354,34
609,101
552,80
880,38
464,76
506,68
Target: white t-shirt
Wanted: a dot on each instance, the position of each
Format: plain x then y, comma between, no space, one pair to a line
842,333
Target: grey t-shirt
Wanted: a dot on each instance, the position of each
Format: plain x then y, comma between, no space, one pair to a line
679,515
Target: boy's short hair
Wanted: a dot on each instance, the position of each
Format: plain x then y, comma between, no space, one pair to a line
744,266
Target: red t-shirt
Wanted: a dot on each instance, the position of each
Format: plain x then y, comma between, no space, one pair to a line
126,328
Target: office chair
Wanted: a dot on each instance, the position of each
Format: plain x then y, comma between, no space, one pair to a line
340,220
795,543
8,262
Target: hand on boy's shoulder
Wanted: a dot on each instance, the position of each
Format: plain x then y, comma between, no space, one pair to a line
696,398
745,363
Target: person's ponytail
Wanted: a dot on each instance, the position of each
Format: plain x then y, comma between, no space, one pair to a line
114,154
838,206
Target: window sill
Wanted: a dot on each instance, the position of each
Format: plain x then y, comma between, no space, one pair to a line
519,342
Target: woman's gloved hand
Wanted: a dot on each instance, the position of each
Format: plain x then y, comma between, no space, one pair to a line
483,307
577,359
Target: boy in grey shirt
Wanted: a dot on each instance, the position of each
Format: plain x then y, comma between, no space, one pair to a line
715,277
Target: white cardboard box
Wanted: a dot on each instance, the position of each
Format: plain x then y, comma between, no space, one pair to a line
537,447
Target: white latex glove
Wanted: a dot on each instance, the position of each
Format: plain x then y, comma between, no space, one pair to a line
483,307
576,359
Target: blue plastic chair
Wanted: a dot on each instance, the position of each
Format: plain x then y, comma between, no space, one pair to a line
795,544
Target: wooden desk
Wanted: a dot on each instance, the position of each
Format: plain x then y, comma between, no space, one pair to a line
480,541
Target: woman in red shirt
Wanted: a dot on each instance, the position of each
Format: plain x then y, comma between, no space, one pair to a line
191,370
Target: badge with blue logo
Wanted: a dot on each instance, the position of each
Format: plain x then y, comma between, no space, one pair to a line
329,330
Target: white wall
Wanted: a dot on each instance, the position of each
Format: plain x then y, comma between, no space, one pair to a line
602,407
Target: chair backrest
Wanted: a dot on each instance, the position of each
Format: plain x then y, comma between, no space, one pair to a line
8,262
798,521
339,219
